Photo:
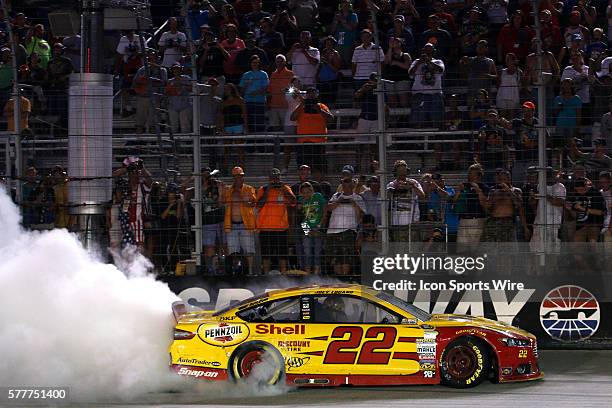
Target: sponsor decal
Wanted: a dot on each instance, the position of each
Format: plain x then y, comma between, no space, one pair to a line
569,313
428,374
198,361
197,373
427,366
426,348
226,318
293,345
522,353
471,331
295,362
480,363
278,329
223,334
409,321
506,370
427,356
430,335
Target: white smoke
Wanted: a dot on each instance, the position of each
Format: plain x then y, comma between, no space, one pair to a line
68,319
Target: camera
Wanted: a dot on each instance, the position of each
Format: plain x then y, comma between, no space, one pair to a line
310,105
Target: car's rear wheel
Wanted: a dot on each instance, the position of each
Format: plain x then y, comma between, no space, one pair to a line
259,361
465,363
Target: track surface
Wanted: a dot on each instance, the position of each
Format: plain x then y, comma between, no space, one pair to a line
573,379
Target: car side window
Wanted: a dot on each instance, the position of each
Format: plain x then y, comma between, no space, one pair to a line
279,311
349,309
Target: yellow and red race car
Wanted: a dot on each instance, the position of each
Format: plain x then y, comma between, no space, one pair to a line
348,334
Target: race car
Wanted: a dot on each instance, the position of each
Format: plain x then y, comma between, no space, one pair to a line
347,335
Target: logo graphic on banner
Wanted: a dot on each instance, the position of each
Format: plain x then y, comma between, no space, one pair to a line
569,313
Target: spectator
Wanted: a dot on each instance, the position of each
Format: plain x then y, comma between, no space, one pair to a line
285,23
493,146
481,70
72,44
231,45
312,205
605,182
254,84
171,224
525,141
30,212
606,125
576,46
437,36
588,205
305,13
280,81
59,69
508,97
472,31
367,125
568,110
358,182
304,59
578,72
252,20
598,45
232,119
229,16
552,40
293,96
129,45
270,40
20,27
427,98
60,194
396,66
240,224
576,31
404,194
440,200
211,57
35,42
128,65
137,204
243,56
514,37
38,79
199,14
470,203
25,108
479,112
113,222
178,91
400,31
273,201
311,118
531,76
346,208
596,162
504,205
446,19
372,200
145,105
296,215
329,71
549,214
6,75
366,59
172,44
344,29
609,18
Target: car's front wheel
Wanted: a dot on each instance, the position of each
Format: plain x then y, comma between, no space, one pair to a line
465,363
258,361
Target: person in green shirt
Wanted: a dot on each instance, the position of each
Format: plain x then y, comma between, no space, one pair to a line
34,42
312,206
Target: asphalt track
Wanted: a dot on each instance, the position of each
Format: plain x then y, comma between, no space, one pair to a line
573,379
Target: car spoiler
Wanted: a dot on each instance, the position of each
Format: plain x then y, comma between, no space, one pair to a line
179,309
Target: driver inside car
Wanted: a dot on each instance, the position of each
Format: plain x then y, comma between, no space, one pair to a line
335,310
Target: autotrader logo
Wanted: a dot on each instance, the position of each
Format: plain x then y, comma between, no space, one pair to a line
569,313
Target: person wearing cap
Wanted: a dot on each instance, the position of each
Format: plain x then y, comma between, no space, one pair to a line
481,69
436,35
198,15
273,202
344,29
59,69
440,199
493,146
178,92
427,100
270,40
127,64
404,194
158,78
581,77
574,27
402,33
605,183
548,213
359,184
525,141
372,200
470,201
367,58
473,29
504,207
171,221
588,206
304,59
594,162
128,44
367,124
253,19
239,222
35,42
245,55
329,71
211,57
172,44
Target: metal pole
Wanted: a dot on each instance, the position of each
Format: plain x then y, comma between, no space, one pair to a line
541,121
382,141
197,152
16,106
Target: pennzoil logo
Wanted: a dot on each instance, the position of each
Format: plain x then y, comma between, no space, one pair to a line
569,313
223,334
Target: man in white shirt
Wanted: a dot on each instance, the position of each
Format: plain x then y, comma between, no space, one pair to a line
427,97
366,59
549,215
172,44
605,182
128,43
346,208
579,74
304,60
404,194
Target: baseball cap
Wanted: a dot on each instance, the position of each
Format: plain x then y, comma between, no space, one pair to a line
399,17
529,105
237,171
348,168
275,172
304,166
492,112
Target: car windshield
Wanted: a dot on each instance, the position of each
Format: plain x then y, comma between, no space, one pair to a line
240,304
405,306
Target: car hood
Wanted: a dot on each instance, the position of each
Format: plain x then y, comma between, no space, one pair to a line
454,320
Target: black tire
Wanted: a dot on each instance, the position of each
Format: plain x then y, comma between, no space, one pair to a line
465,363
248,355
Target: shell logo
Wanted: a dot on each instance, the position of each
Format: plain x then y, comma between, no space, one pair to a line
223,334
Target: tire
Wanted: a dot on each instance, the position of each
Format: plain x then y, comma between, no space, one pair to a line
249,355
465,363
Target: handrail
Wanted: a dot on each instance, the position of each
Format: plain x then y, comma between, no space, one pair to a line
161,27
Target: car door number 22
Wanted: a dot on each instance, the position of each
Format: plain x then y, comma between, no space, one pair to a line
344,351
